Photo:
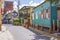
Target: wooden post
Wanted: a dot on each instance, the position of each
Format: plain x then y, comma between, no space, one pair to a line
58,25
0,22
31,15
53,25
0,13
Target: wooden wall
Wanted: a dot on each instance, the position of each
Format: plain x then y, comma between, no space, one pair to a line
0,13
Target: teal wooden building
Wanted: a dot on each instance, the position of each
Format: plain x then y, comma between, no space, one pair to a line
46,15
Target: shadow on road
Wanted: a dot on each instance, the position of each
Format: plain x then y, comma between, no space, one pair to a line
39,36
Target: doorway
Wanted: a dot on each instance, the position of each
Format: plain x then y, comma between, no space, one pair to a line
58,20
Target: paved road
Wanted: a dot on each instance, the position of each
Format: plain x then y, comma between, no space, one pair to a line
21,33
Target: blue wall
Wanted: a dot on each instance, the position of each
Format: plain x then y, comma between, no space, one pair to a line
54,14
43,22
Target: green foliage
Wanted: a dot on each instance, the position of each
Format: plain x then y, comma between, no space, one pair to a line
16,22
22,20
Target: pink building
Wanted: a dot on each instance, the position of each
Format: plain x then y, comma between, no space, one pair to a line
8,5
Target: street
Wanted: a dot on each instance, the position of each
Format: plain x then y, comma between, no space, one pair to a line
21,33
29,20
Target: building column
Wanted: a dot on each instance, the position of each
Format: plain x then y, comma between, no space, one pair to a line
1,2
30,16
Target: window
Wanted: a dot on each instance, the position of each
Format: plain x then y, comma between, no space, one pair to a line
42,14
36,15
48,13
33,16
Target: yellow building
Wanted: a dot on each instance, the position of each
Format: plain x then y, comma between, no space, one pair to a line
1,2
26,14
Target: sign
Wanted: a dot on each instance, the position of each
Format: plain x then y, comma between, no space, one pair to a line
14,14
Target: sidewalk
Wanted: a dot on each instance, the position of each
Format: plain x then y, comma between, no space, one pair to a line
5,34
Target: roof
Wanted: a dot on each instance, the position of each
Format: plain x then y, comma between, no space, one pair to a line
26,7
40,4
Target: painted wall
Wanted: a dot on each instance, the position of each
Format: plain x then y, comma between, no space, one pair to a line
53,14
8,6
45,22
40,21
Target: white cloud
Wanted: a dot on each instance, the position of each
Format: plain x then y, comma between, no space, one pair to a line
24,5
31,3
34,4
42,1
15,6
15,3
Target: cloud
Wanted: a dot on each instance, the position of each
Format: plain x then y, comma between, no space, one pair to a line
23,5
15,6
15,3
31,3
34,4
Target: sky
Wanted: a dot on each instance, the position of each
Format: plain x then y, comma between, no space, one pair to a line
26,3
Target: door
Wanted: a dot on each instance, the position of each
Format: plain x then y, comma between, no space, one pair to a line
58,20
58,13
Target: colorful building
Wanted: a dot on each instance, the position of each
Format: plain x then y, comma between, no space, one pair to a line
45,15
25,13
8,6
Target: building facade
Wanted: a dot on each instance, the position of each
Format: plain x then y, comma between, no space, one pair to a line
8,6
46,15
25,14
